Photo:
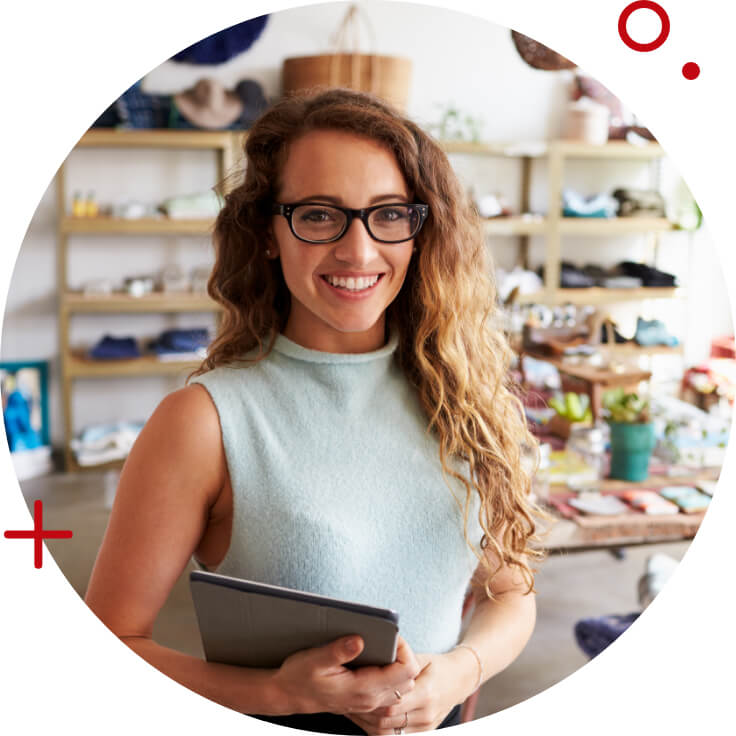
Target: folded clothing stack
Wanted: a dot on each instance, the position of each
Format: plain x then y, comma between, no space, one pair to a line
181,344
626,275
175,344
103,443
115,348
576,205
639,202
649,275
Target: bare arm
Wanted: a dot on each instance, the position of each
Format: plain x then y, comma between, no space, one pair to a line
499,628
163,507
498,631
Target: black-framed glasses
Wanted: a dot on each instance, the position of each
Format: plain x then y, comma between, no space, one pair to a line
315,222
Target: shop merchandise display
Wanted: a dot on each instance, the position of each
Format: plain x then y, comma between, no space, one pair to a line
639,202
103,443
181,344
626,274
200,205
653,332
174,344
208,105
110,347
687,498
593,635
575,204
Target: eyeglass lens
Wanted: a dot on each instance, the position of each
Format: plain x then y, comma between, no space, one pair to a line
321,222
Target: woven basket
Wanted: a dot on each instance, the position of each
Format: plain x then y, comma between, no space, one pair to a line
387,77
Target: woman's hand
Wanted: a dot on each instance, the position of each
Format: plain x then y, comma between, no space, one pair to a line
440,686
316,680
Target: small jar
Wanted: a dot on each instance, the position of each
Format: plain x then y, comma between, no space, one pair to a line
590,443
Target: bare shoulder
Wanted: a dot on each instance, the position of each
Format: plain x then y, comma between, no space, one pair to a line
182,441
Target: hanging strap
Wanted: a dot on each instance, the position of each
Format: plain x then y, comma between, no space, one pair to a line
350,26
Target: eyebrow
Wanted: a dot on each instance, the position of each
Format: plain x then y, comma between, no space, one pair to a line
338,200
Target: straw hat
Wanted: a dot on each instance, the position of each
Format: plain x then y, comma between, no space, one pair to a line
209,105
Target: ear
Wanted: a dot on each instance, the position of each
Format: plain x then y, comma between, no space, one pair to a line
271,246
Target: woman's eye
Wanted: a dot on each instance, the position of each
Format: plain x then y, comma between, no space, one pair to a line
317,215
392,214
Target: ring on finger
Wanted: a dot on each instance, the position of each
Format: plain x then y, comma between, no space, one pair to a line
406,722
398,695
398,731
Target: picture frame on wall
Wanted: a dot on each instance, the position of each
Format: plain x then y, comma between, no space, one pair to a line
25,407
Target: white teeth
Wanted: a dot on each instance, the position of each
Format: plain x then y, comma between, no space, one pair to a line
364,282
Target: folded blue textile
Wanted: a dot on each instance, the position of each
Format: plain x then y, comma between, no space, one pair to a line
599,205
593,635
115,348
180,341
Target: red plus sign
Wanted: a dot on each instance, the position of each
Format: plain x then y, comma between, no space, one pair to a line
38,534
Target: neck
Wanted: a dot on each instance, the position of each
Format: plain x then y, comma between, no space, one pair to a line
335,341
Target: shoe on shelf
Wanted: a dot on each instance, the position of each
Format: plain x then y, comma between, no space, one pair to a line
653,332
609,329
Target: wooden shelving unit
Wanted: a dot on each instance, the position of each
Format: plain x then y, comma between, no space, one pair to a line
553,226
156,302
143,226
75,366
596,295
79,366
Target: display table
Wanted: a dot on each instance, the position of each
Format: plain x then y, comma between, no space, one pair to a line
581,532
596,380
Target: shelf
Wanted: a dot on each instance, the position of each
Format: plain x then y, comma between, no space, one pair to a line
144,225
610,150
79,366
597,295
156,302
123,138
568,149
515,225
532,149
613,225
631,348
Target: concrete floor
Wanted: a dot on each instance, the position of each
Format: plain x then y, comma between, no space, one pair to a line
570,587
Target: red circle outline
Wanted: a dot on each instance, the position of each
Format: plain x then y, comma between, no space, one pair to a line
624,19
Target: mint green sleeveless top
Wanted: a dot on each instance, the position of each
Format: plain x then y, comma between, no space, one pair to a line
338,489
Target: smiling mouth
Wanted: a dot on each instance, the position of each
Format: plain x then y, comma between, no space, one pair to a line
354,285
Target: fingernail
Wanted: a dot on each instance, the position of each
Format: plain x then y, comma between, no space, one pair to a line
352,646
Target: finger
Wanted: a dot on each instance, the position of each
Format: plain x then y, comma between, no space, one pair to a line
337,652
405,655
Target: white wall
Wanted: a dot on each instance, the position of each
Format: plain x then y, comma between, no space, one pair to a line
457,59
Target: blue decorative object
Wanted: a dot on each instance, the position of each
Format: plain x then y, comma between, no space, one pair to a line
223,45
25,406
593,635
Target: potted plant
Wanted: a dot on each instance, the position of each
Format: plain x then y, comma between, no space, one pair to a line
632,434
571,409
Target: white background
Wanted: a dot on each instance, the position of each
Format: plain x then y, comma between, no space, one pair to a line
62,63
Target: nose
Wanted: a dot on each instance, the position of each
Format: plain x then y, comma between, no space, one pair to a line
356,246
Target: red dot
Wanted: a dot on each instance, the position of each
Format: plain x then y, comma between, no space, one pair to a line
691,70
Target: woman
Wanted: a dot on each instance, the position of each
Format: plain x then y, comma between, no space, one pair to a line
352,432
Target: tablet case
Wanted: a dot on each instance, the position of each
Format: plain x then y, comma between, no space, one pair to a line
257,625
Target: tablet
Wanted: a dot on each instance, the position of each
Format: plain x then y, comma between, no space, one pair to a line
257,625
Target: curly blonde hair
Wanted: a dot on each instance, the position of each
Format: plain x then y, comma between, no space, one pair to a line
450,348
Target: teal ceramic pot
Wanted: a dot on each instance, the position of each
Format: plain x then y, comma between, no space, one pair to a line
631,448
